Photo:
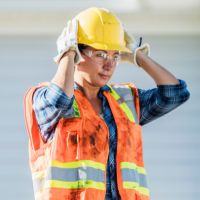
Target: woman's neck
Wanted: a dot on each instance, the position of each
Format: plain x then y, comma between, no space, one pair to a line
91,93
89,90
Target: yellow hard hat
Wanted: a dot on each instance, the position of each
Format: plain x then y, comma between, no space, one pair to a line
101,29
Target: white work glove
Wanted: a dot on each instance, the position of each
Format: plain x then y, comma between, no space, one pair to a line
68,41
134,46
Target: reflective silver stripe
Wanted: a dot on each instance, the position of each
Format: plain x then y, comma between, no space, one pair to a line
132,175
126,95
68,175
75,174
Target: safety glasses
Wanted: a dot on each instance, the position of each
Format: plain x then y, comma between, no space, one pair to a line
100,56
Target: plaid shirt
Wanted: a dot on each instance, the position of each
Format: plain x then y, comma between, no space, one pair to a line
51,103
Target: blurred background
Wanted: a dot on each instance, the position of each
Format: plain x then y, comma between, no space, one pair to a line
28,33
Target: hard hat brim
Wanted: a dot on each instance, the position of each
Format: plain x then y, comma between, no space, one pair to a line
110,47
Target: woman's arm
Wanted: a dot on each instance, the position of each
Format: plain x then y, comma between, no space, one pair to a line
159,74
157,102
64,77
169,94
56,100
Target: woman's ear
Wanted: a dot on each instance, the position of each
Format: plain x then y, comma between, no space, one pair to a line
78,66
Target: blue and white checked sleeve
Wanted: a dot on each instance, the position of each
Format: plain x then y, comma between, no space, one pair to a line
50,104
158,101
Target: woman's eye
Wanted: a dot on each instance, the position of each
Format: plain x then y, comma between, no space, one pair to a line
116,57
100,55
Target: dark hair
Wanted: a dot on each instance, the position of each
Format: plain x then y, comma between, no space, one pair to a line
81,47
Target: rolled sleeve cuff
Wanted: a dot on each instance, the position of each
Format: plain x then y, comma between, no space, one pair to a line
173,90
56,96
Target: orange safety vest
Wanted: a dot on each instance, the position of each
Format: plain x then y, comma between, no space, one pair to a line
72,166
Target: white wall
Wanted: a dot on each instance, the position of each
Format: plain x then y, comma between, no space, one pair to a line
47,17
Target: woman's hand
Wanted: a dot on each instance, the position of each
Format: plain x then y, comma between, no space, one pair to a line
134,46
68,41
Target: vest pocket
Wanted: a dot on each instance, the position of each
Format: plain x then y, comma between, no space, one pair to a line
94,140
130,142
90,145
72,145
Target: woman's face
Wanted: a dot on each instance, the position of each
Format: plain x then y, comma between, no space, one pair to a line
97,66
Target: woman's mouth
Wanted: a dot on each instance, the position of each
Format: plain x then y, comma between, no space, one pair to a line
103,76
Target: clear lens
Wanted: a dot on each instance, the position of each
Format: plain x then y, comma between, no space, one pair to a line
100,56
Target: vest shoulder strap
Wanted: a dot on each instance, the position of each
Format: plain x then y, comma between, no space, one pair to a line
127,97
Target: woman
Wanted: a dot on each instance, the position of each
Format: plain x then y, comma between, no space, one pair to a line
85,136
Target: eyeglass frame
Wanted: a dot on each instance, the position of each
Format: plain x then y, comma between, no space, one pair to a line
105,57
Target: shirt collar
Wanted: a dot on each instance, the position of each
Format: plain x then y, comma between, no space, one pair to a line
102,89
